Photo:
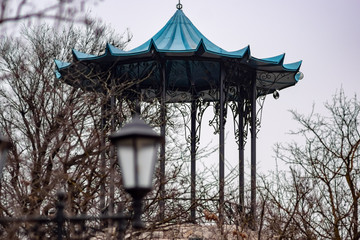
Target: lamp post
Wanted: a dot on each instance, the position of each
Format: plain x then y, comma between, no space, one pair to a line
136,145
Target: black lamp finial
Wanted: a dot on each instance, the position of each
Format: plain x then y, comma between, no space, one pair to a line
179,6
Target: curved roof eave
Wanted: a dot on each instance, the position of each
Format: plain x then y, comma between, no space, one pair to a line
78,56
61,65
293,66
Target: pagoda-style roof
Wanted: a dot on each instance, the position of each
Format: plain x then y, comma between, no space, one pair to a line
192,61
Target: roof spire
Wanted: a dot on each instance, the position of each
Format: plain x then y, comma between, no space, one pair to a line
179,6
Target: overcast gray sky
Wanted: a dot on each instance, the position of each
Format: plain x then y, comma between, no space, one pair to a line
325,34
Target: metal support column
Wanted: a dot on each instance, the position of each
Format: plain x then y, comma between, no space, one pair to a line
241,151
253,154
103,157
222,146
112,157
162,149
193,160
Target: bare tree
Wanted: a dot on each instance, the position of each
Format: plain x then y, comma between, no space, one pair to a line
14,11
55,128
319,197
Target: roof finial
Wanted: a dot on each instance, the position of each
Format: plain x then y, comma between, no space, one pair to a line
179,6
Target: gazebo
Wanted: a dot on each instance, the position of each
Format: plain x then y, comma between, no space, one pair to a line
180,65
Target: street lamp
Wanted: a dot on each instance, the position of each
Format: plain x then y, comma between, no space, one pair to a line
4,148
137,145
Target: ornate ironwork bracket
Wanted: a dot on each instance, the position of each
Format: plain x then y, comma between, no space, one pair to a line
185,110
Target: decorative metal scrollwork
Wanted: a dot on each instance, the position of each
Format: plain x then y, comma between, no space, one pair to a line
215,121
267,82
260,102
185,110
241,108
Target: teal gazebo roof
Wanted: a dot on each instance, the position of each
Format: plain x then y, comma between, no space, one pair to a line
180,36
188,54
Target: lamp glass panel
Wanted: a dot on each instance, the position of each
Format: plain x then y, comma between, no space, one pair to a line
147,156
126,160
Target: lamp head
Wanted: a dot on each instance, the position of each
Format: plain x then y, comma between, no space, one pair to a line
137,145
276,94
299,76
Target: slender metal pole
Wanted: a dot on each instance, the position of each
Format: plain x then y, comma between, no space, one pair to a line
221,147
241,151
112,158
193,142
193,160
103,157
137,206
253,154
162,149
